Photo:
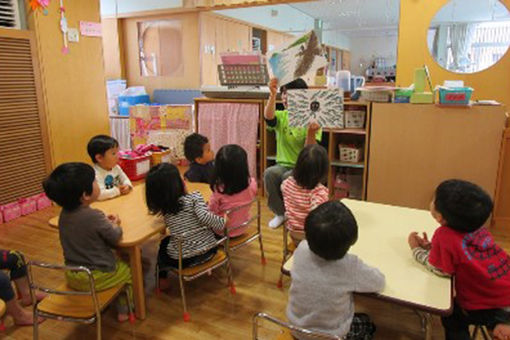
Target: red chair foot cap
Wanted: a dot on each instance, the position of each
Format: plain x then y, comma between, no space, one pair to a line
186,317
132,318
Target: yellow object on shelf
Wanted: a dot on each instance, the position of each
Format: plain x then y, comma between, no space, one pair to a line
420,96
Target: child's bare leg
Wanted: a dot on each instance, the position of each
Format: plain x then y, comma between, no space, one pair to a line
21,317
502,331
24,290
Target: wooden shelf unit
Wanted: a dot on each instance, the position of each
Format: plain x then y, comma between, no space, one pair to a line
330,140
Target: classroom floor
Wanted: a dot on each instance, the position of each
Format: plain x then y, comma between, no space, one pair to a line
215,313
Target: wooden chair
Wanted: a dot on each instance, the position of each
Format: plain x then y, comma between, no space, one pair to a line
2,313
250,235
221,258
64,303
288,250
287,329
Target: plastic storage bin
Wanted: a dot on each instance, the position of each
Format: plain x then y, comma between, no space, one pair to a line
126,101
136,168
349,153
455,95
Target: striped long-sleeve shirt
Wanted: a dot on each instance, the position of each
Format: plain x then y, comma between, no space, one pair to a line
300,201
197,222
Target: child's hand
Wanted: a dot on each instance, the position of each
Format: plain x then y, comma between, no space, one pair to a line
313,127
124,189
413,240
424,242
115,219
273,87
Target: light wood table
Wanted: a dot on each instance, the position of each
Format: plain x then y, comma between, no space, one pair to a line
137,226
382,243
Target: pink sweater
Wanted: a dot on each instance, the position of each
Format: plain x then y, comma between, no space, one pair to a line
219,203
300,201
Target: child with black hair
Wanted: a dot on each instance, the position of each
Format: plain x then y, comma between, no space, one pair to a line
198,152
232,186
87,235
304,191
463,248
103,151
184,213
324,276
289,142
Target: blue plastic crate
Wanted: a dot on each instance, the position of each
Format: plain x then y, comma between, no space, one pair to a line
455,95
126,101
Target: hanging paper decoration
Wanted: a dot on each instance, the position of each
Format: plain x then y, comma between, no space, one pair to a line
63,27
39,5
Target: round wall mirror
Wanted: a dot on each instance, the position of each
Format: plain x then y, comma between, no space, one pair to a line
467,36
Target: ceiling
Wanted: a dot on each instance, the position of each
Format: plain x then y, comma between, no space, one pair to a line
350,16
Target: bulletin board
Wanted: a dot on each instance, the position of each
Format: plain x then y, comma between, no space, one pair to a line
166,125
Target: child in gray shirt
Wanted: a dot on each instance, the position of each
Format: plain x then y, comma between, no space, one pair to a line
324,276
87,235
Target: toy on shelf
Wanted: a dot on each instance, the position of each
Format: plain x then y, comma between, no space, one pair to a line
421,78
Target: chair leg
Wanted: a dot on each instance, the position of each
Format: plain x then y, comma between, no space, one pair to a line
35,327
262,257
132,317
158,291
185,314
98,327
230,278
279,284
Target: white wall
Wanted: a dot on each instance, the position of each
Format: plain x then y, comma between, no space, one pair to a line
113,7
365,49
287,19
336,39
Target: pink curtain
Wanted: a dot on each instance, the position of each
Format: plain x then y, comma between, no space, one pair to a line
231,123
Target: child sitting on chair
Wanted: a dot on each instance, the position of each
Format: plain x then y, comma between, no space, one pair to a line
463,248
185,214
198,152
324,276
232,186
304,191
103,151
13,261
87,235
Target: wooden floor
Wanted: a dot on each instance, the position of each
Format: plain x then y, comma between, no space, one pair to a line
215,313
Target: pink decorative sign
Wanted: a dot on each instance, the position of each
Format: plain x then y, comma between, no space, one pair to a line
91,29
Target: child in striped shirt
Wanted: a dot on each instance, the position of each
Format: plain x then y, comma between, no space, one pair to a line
186,215
304,191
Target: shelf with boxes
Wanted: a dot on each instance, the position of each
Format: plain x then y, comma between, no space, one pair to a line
347,150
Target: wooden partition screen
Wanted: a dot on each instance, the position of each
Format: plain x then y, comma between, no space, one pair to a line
24,152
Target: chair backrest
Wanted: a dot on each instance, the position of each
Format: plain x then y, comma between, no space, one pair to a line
294,329
46,266
243,208
196,251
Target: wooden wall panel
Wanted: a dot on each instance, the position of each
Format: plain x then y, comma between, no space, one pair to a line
502,201
415,147
113,64
191,75
73,84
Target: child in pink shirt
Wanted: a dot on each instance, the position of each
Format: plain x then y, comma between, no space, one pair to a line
232,186
303,191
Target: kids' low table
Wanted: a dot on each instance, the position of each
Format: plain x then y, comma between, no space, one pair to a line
137,227
382,243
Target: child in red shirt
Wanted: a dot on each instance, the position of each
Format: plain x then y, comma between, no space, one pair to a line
463,248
